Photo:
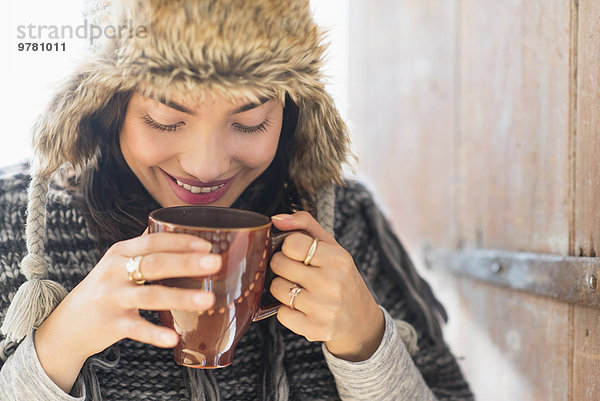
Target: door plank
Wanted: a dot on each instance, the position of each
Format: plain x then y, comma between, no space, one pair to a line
586,321
587,192
402,97
512,345
514,115
586,355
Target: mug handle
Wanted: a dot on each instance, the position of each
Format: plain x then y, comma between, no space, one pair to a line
276,242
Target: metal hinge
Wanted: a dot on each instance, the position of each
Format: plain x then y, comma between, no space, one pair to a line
566,278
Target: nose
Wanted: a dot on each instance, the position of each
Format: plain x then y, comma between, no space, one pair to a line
205,157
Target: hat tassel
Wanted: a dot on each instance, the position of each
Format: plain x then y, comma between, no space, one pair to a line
38,296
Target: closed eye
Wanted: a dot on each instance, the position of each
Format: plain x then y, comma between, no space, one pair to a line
161,127
256,129
262,127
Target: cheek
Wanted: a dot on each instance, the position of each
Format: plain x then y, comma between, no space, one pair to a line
140,148
258,152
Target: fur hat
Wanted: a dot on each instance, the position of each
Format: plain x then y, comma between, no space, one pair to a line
238,49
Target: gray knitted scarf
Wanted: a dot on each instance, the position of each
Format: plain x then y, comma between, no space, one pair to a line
38,297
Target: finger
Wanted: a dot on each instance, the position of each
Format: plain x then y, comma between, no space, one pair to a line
157,266
280,288
294,271
297,245
302,221
158,297
139,329
161,242
297,322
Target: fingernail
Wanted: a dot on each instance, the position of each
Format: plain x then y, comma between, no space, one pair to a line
201,246
281,217
209,261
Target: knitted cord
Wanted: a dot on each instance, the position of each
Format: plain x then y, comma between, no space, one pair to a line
37,297
201,384
325,200
33,264
106,360
275,386
7,348
409,336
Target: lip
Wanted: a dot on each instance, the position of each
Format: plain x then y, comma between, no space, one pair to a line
197,183
201,198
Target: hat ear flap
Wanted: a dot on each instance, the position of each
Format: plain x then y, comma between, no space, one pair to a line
323,142
62,133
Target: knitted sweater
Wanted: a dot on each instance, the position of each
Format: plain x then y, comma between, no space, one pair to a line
144,372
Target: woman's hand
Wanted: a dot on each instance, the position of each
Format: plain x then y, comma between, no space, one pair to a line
334,305
104,307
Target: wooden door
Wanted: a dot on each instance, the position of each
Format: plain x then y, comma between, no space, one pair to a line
477,123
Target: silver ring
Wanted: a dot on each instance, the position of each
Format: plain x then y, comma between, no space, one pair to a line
133,270
294,291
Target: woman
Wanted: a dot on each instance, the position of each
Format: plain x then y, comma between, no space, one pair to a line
218,103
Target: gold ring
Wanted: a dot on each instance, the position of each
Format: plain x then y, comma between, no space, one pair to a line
133,270
311,251
293,291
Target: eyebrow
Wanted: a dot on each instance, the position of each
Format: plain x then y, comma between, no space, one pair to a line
246,107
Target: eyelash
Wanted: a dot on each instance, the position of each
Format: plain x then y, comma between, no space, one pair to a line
262,127
161,127
257,129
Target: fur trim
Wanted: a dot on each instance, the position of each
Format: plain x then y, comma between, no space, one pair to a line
240,49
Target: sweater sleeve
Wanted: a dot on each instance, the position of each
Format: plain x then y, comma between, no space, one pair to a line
389,374
362,229
23,378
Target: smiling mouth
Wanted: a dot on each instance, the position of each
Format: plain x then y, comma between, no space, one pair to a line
198,190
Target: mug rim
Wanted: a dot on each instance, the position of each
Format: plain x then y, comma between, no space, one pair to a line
229,209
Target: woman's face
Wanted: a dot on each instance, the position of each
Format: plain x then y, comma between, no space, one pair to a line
204,154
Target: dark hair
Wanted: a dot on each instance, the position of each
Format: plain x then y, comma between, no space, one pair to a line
124,214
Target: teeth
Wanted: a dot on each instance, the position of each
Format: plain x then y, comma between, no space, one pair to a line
198,190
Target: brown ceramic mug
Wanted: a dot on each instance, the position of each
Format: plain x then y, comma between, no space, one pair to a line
245,243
